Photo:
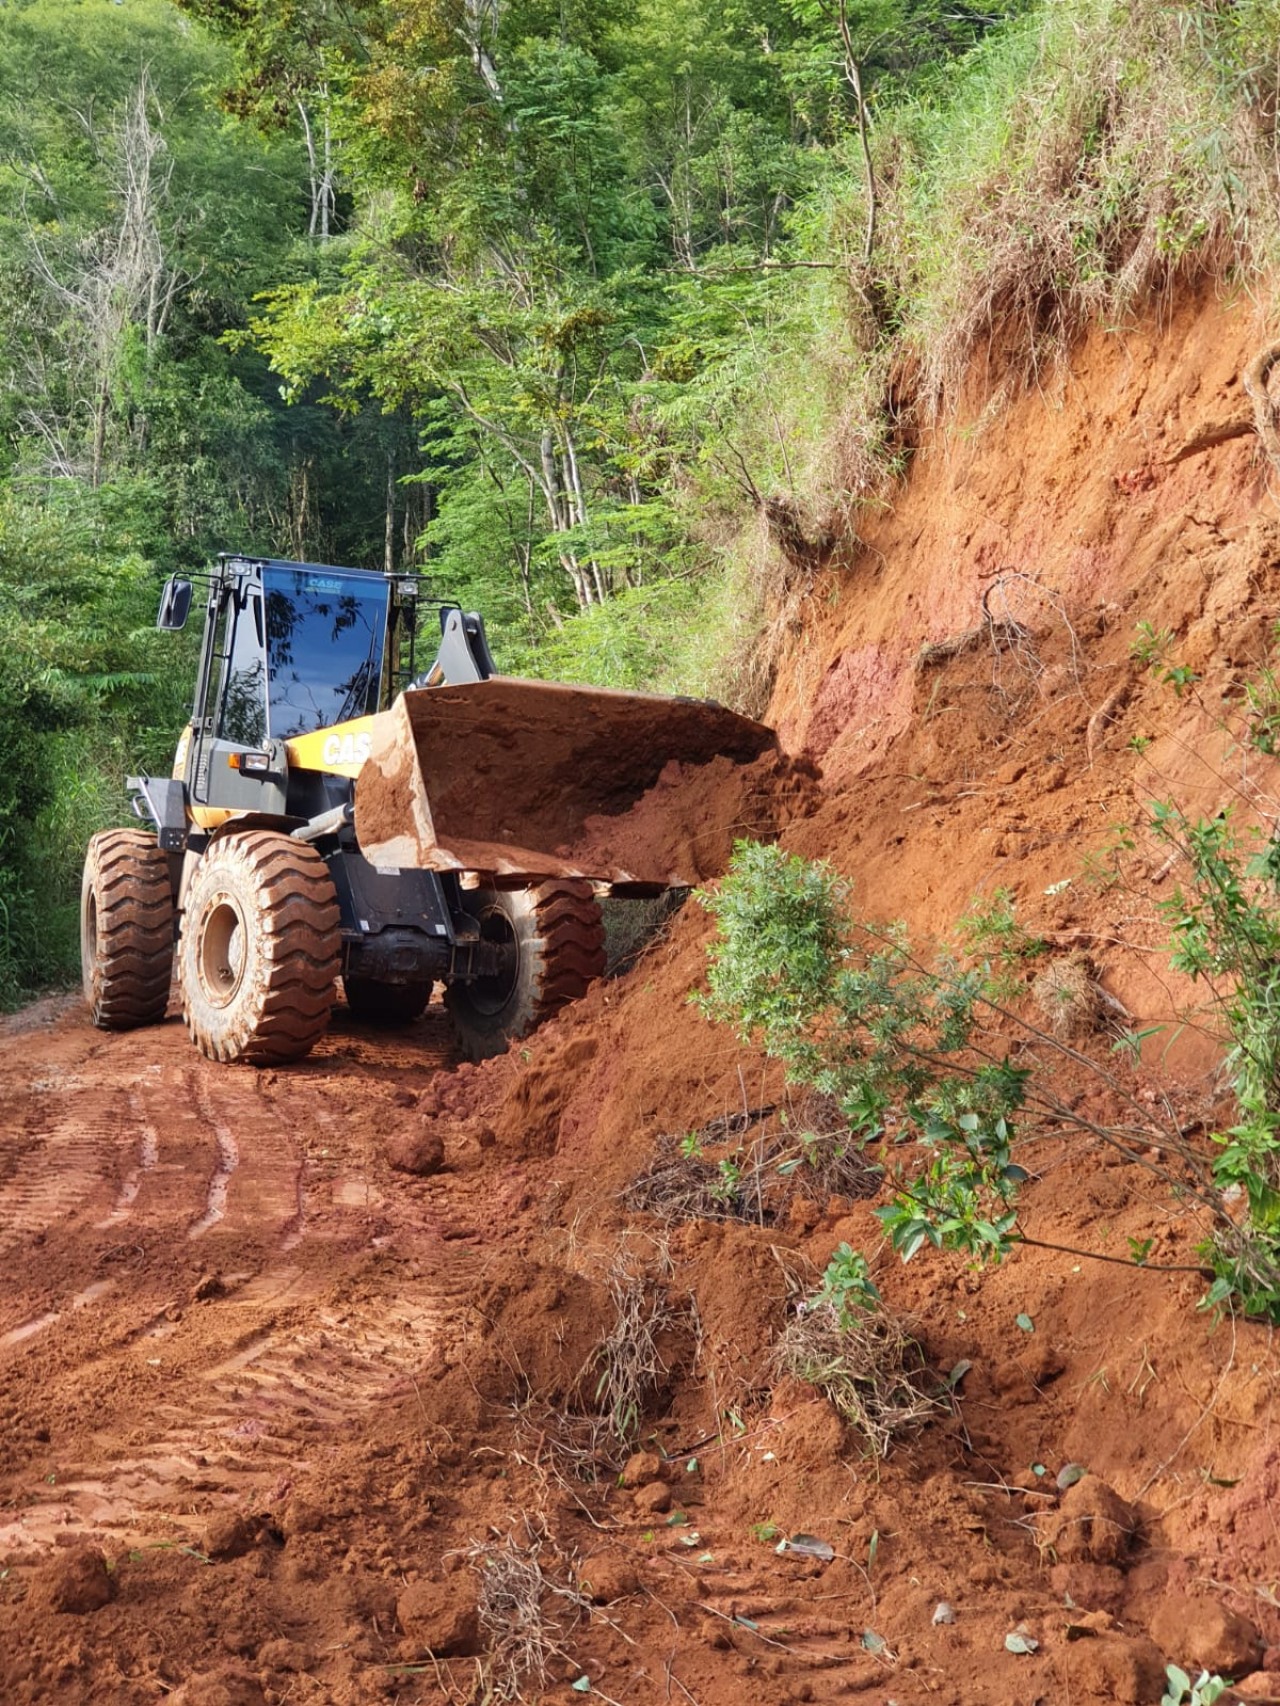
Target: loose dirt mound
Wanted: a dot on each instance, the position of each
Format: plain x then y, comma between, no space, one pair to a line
344,1433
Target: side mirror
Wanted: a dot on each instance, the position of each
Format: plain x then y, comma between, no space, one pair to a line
175,603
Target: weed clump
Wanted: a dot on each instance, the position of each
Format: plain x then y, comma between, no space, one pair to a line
711,1174
1066,992
630,1361
859,1355
528,1603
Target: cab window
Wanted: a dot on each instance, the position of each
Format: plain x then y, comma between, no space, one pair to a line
243,717
325,636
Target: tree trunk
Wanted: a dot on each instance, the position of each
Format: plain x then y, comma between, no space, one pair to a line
389,530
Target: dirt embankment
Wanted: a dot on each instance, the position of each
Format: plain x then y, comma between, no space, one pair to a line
282,1419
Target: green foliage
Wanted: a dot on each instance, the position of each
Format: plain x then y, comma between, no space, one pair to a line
1224,923
847,1284
82,672
1182,1691
1153,650
853,1014
1262,702
993,932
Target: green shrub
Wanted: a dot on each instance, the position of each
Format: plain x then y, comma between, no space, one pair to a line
900,1046
920,1054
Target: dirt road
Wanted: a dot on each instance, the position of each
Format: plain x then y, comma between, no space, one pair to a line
204,1277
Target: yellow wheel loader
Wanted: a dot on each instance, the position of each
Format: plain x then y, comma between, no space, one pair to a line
335,814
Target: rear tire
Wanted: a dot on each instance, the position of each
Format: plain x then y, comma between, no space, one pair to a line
126,930
259,952
556,937
386,1004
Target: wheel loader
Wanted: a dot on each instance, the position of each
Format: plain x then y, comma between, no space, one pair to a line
334,813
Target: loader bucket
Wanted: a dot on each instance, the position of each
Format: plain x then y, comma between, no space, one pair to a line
516,780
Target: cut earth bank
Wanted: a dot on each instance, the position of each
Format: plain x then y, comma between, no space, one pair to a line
291,1359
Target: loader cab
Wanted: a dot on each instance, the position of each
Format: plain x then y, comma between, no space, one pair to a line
288,648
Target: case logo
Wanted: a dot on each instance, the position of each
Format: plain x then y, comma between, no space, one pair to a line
347,749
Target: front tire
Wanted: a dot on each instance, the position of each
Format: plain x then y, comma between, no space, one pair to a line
259,951
554,941
126,930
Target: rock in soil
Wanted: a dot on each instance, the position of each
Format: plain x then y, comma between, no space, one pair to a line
420,1152
1092,1525
75,1581
1203,1632
607,1577
440,1618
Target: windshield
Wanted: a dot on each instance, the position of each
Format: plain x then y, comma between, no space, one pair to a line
325,633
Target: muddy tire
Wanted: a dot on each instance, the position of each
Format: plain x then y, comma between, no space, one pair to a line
259,951
126,930
556,940
386,1004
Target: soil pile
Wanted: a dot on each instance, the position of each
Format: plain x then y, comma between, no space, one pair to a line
332,1431
524,778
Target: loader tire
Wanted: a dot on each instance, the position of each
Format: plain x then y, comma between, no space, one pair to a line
259,950
126,930
386,1004
556,939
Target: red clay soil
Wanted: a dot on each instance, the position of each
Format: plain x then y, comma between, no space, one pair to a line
522,779
278,1414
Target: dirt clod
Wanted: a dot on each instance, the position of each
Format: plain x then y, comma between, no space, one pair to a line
420,1152
642,1466
440,1618
608,1576
231,1687
1092,1525
1115,1668
1259,1685
75,1581
1194,1631
229,1535
1092,1587
654,1497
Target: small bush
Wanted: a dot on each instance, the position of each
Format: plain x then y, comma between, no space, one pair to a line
854,1015
923,1053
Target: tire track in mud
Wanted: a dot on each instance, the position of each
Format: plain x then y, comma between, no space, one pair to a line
242,1426
215,1203
247,1386
75,1129
148,1158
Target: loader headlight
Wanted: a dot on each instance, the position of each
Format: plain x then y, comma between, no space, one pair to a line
251,761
